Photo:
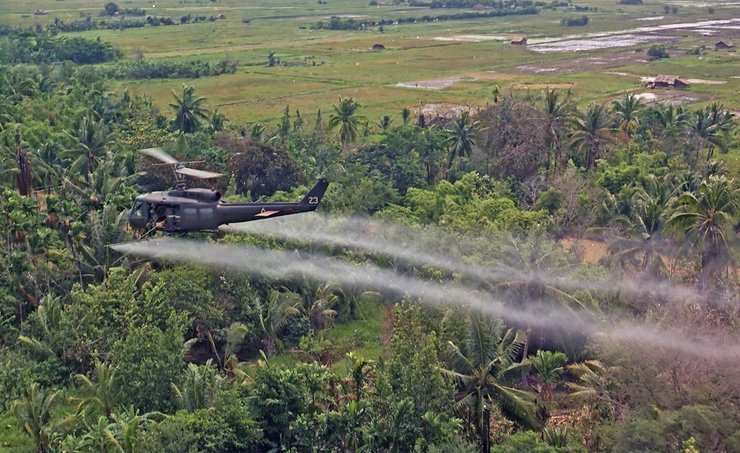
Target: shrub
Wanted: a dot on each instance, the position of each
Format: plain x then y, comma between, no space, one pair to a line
574,21
657,52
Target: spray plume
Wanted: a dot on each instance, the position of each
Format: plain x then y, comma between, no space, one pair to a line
316,267
413,245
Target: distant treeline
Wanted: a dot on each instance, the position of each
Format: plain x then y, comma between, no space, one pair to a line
26,47
498,4
108,24
553,5
337,23
127,12
166,69
121,23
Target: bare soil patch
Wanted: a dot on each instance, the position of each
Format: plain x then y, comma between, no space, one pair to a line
434,84
706,82
542,86
471,38
670,97
582,64
589,251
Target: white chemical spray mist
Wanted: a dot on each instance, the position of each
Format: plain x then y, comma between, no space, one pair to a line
434,247
317,267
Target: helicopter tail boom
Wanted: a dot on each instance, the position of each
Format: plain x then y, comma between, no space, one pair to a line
314,196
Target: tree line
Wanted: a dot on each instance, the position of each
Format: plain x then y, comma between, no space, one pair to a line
166,69
337,23
18,47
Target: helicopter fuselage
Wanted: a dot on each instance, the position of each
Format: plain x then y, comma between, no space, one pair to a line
190,210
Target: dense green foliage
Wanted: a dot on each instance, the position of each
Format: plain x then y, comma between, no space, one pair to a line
102,352
166,69
18,47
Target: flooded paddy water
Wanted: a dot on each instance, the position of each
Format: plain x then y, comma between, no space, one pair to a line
626,37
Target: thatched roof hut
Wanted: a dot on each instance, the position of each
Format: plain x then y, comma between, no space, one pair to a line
519,40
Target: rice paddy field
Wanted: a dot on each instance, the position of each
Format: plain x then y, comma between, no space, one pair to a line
459,62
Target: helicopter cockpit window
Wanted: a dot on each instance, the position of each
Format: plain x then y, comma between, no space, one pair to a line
138,211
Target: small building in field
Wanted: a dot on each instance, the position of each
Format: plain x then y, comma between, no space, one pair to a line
378,46
519,40
723,45
668,81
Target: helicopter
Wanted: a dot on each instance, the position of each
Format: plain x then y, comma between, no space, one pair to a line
186,210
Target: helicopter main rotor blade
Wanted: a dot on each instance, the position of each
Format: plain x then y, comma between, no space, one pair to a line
202,174
158,154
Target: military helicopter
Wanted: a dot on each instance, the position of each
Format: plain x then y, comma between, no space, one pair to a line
189,210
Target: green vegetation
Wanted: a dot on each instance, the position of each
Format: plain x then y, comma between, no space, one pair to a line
566,249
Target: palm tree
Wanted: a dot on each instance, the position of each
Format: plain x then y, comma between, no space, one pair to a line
671,118
198,387
557,113
593,385
51,157
345,116
103,394
189,109
710,127
647,219
671,124
549,366
430,148
123,433
592,129
217,121
256,132
483,367
273,314
92,137
461,137
17,86
34,413
321,307
626,111
384,122
18,161
405,116
526,262
96,189
106,226
705,217
234,337
96,436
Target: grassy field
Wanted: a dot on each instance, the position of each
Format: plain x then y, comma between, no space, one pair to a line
319,66
13,440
